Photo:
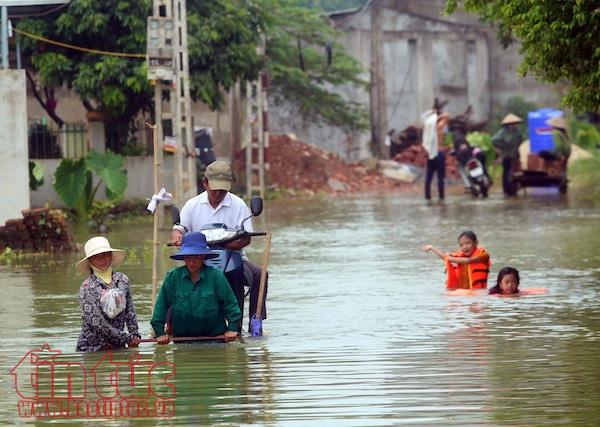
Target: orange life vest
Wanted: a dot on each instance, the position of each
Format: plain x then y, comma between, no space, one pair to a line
478,271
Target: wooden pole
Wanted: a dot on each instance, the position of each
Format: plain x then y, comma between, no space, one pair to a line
156,214
378,98
263,276
184,339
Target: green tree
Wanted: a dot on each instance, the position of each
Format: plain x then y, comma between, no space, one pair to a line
115,86
223,36
222,40
559,41
306,64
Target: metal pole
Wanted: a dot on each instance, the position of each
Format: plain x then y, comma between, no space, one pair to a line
18,54
156,212
4,36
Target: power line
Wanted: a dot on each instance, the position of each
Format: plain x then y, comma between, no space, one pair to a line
79,48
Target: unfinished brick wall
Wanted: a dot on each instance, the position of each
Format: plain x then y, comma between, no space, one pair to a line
40,230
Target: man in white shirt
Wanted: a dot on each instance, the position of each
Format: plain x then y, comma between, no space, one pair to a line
218,205
434,124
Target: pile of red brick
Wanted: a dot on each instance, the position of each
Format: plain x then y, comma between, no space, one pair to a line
296,166
40,230
416,155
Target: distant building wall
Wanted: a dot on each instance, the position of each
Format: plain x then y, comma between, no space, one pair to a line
425,55
505,82
14,155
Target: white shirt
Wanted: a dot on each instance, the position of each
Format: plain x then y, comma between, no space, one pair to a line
198,212
430,140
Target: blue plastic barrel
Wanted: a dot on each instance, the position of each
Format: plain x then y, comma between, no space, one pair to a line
540,133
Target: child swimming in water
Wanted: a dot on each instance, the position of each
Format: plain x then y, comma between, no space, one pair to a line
507,283
467,268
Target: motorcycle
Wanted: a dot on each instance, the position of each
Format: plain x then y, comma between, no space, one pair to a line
472,171
230,262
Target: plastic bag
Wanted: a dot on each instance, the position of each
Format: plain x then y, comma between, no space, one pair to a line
112,302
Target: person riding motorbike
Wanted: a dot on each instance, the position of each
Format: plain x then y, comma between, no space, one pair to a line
218,205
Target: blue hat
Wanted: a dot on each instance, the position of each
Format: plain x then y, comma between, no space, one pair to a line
194,244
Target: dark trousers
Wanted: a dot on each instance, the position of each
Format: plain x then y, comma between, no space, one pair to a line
507,163
256,270
436,165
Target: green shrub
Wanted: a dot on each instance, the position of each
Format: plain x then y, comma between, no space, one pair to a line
73,181
36,175
585,176
585,134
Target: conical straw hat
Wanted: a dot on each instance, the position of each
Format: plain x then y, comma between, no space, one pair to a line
557,122
98,245
511,118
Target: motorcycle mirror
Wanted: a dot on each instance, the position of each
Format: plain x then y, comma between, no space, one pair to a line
256,206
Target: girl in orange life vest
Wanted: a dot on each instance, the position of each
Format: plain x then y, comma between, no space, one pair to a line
507,283
467,268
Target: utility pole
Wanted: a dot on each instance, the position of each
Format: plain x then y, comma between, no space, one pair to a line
168,69
256,135
4,35
378,98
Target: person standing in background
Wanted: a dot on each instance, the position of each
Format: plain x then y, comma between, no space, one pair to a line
506,142
435,124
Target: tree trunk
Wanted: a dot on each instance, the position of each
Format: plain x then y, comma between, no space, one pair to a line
36,94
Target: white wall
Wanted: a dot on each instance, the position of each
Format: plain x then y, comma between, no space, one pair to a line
14,155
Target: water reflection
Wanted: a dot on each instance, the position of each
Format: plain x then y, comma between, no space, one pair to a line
360,329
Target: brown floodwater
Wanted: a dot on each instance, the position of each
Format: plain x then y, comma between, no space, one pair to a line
360,331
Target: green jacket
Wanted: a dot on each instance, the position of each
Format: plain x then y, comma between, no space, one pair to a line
507,140
199,309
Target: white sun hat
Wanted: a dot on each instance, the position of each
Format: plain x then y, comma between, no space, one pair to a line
98,245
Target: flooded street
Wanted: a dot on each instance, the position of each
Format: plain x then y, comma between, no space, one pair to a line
361,331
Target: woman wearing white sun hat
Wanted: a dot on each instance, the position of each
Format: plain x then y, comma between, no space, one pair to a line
105,300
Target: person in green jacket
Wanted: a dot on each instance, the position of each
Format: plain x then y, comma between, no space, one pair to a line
560,138
507,141
199,298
